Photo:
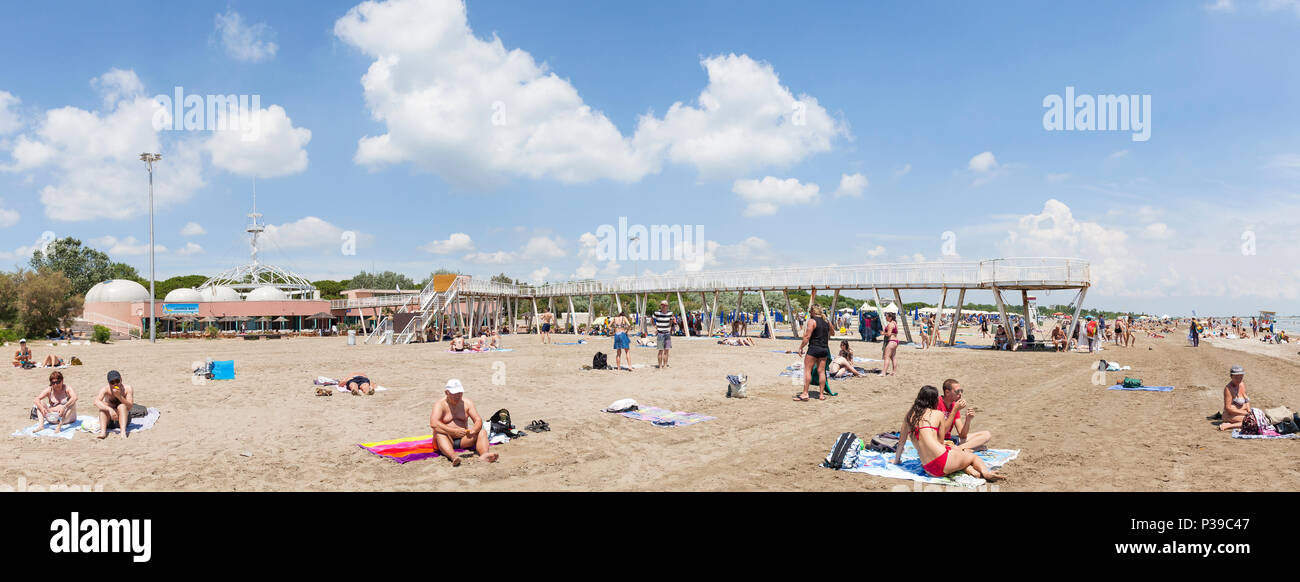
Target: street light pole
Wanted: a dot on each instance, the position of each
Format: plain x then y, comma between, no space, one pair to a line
149,159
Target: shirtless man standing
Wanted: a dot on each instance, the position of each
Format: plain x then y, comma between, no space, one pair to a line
114,403
952,392
547,319
457,425
59,400
1236,405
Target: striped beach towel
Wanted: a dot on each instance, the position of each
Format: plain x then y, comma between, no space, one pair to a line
406,449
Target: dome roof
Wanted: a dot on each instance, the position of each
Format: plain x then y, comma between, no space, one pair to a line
266,294
184,295
218,293
117,291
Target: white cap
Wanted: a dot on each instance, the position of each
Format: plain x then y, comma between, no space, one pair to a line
22,341
454,387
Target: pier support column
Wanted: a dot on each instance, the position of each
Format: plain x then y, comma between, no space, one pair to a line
902,315
767,315
1002,315
686,328
956,318
794,325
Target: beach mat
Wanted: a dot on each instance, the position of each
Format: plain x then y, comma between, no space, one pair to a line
47,430
1236,434
664,417
880,465
407,449
1143,388
480,352
146,422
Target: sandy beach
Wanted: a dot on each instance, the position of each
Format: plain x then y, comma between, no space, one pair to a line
268,431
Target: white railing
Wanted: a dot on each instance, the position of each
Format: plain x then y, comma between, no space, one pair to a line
375,301
432,304
111,323
385,324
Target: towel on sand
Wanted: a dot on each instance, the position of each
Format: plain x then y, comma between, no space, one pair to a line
323,381
480,351
1143,388
47,430
1236,434
146,422
664,417
223,370
409,449
881,465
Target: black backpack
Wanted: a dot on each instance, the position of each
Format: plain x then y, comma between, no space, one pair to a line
500,423
845,452
600,361
885,442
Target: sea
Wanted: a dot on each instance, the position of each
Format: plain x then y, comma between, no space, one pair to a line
1290,323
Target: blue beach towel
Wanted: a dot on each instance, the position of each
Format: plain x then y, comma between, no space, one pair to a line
880,465
1143,388
223,370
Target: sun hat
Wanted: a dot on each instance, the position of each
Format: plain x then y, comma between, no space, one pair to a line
1237,371
454,387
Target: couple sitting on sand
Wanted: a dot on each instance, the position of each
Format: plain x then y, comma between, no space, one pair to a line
57,404
457,425
930,412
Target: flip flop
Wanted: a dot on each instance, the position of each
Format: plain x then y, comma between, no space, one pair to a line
800,398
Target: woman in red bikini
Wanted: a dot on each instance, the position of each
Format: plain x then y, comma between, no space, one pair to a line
937,458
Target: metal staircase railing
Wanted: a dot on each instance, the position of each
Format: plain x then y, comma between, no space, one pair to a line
432,303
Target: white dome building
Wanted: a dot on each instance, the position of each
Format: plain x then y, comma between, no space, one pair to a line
266,294
218,293
117,291
184,295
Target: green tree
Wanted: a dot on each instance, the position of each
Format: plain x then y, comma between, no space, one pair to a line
83,266
384,280
330,289
162,288
8,299
45,300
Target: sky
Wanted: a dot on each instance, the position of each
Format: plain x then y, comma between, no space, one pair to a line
500,137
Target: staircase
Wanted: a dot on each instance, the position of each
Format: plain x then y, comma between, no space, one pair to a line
432,303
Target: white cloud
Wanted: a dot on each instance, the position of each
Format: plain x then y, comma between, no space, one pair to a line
456,243
1119,154
8,217
903,171
539,276
307,232
586,270
876,252
9,119
982,163
190,248
1157,231
1222,6
22,253
538,248
1282,161
1282,5
851,186
745,120
764,197
267,147
245,42
128,246
497,258
1057,233
477,114
1058,177
92,158
192,229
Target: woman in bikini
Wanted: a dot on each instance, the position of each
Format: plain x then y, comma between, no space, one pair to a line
1236,405
53,361
842,366
57,400
938,459
890,333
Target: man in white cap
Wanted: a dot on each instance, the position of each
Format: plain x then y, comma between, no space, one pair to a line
24,355
457,425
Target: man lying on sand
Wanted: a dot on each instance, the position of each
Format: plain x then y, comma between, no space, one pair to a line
57,401
952,393
457,425
736,341
114,403
1236,405
358,383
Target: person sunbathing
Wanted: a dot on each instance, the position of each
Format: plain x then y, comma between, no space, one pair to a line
53,361
456,425
1000,339
1236,405
458,343
1058,338
937,459
114,402
358,384
953,392
736,341
642,340
23,356
58,401
842,365
494,341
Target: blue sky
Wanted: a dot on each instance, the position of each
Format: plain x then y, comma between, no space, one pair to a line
936,107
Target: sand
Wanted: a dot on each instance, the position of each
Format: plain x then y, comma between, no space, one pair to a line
268,431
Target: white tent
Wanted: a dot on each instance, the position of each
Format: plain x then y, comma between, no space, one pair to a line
889,308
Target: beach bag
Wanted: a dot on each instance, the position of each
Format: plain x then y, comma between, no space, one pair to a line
1286,426
1278,414
736,385
1132,383
500,423
1103,365
76,361
1249,423
885,442
29,365
139,410
845,452
600,361
623,405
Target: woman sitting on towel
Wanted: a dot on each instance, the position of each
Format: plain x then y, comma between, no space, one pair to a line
1000,339
458,343
358,384
1236,405
842,365
57,401
924,424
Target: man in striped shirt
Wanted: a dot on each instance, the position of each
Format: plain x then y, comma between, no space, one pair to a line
664,332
